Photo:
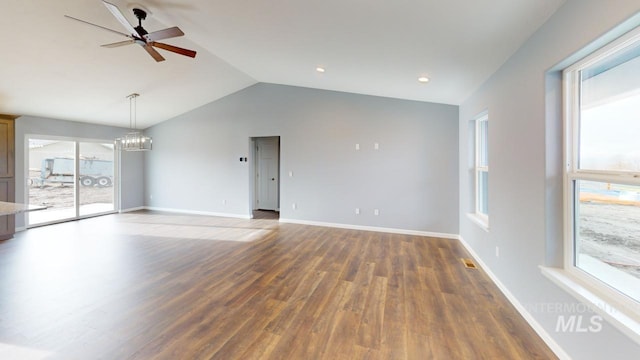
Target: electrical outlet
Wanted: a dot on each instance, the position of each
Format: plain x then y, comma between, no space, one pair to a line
357,146
376,146
497,252
376,212
357,211
150,197
290,173
293,206
224,202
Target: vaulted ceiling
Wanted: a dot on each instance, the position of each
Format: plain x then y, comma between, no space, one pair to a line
54,67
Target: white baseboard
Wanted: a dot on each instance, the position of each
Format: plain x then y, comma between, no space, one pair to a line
553,345
192,212
371,228
131,209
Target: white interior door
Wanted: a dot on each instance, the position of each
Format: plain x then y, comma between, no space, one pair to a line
267,176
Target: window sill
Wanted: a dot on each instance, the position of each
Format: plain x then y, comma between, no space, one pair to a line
615,314
484,225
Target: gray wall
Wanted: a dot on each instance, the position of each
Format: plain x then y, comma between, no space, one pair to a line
525,157
411,178
131,163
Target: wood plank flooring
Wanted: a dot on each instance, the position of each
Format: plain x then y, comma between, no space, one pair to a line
152,285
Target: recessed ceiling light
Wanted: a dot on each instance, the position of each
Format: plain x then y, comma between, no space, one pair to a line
320,69
423,79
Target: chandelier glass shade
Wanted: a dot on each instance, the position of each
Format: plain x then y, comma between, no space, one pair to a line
133,140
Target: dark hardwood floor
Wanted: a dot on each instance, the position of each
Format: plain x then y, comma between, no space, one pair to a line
266,214
153,285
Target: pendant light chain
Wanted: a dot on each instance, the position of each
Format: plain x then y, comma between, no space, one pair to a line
133,111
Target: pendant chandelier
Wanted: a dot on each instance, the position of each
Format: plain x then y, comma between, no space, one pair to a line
133,140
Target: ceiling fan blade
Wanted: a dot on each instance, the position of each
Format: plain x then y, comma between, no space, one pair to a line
120,43
154,54
164,34
101,27
175,49
118,15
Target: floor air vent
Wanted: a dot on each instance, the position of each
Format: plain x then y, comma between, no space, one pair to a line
469,264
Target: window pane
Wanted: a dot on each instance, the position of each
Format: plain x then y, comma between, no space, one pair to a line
610,113
96,178
51,180
483,153
607,234
483,192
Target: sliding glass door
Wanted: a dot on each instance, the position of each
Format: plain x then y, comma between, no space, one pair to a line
51,174
96,170
73,179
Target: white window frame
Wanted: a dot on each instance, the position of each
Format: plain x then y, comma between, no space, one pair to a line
478,216
621,310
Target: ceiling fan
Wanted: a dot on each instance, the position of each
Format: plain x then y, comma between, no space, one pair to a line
138,35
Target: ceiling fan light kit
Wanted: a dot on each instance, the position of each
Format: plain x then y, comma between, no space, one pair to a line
139,35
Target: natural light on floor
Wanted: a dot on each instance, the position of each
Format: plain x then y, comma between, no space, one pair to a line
16,352
203,228
198,232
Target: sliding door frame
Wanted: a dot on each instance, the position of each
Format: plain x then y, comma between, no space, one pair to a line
76,200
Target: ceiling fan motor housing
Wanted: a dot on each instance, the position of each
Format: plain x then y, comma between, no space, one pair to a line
141,15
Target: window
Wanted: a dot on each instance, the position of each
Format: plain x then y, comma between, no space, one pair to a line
482,169
602,173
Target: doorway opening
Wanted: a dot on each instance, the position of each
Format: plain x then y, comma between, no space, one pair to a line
265,184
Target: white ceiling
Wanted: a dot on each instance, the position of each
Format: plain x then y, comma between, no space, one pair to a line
53,67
